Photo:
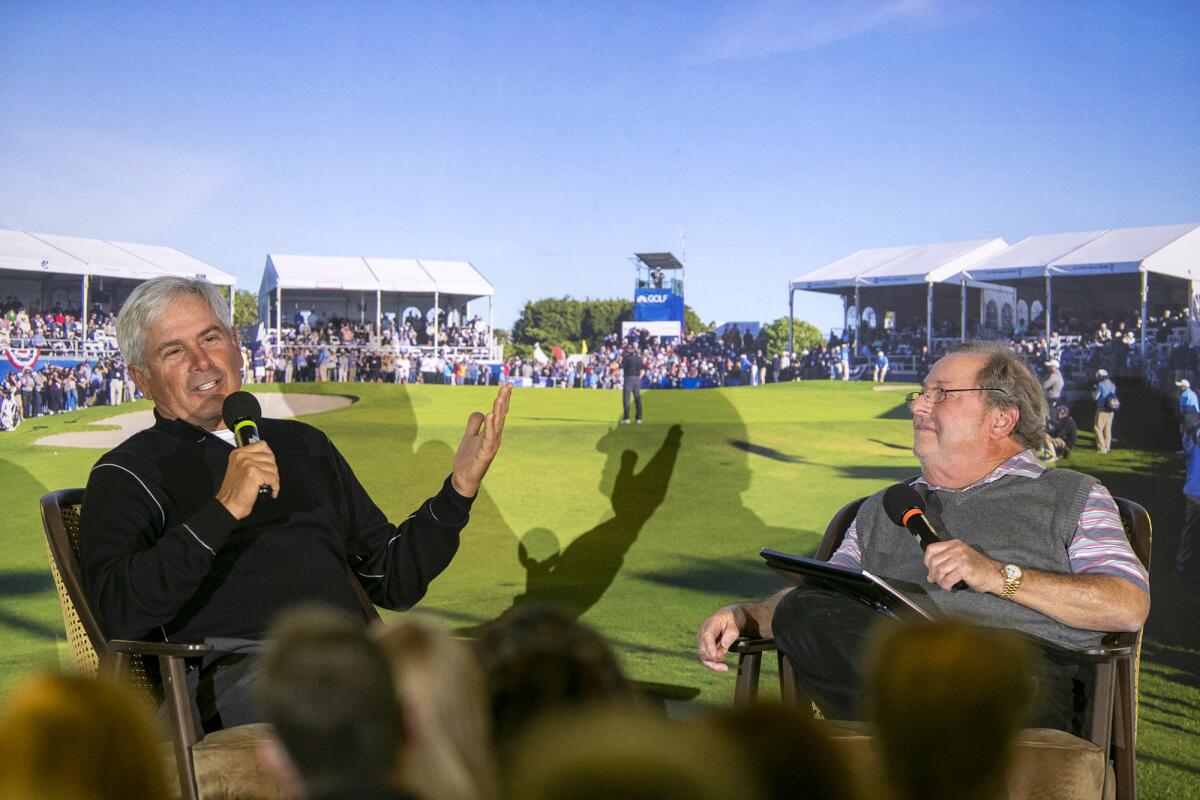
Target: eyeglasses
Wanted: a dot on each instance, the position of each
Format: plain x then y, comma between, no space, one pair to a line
936,394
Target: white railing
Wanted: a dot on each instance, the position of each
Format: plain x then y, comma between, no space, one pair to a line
65,348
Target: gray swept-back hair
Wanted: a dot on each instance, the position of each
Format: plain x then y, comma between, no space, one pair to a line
1021,390
151,299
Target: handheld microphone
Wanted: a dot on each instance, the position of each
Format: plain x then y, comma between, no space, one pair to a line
906,508
241,413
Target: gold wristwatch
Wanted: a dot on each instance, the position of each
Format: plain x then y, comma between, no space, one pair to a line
1012,580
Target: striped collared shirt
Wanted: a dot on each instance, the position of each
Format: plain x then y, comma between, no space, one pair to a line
1099,546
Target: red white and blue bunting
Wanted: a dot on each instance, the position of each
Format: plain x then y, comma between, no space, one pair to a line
23,357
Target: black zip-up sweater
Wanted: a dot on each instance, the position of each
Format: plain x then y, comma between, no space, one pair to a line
162,558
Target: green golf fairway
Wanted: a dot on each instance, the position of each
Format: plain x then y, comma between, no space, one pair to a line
643,529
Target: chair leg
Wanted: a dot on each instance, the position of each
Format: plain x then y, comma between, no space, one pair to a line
183,735
1124,749
745,690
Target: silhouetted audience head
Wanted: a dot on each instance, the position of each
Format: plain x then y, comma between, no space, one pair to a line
327,689
448,752
539,659
624,754
947,701
69,737
786,751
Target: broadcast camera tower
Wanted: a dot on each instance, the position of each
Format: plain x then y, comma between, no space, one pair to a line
658,295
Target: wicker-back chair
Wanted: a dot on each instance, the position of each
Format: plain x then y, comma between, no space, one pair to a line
1112,735
224,764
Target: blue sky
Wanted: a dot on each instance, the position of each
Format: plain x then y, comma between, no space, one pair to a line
547,142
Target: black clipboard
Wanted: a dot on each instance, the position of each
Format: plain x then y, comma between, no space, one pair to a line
855,583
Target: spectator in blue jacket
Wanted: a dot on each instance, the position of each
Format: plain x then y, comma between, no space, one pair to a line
1189,410
881,367
1191,496
1104,392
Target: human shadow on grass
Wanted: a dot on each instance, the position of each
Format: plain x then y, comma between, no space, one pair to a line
1180,666
899,411
741,578
892,445
766,452
1193,708
21,487
30,627
878,473
14,583
1152,714
575,578
1168,762
399,475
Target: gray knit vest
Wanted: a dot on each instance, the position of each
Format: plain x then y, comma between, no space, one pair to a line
1014,520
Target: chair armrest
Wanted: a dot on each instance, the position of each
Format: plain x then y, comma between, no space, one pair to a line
746,646
1114,647
1105,652
158,648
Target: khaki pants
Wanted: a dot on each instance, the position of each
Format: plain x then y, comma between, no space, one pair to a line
1103,428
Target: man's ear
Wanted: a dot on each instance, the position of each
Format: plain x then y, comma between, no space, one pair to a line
139,380
1004,420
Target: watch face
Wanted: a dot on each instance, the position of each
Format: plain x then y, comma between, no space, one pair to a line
1012,571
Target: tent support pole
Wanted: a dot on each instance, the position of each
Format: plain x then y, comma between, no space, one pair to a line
378,312
437,312
279,319
232,292
857,321
1142,332
929,317
491,329
1049,297
962,320
791,320
83,308
1191,309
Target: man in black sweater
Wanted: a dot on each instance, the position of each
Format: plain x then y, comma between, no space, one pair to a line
176,543
1061,433
632,371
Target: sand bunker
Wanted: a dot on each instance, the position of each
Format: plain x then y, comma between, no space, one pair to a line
279,406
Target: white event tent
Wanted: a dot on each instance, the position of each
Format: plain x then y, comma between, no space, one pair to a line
1128,255
339,285
56,267
918,267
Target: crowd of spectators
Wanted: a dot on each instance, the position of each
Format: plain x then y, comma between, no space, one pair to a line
366,364
55,389
696,361
413,332
1081,347
56,328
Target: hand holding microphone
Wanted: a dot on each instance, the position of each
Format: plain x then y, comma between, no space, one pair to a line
906,508
251,472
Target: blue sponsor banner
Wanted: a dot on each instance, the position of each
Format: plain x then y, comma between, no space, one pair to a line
651,305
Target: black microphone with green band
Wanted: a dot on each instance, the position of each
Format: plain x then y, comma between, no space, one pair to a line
242,414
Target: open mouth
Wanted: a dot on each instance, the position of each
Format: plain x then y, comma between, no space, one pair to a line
208,386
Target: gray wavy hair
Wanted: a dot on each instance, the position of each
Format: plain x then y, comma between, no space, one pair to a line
149,300
1021,390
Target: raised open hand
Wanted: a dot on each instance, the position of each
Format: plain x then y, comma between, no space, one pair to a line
480,444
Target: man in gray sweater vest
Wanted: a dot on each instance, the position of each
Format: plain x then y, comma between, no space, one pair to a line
1040,551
